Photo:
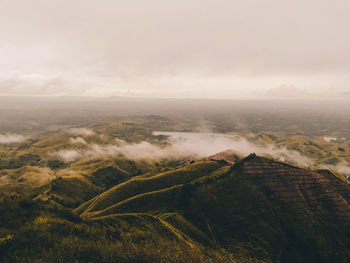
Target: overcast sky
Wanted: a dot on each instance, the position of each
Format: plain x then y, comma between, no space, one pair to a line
183,48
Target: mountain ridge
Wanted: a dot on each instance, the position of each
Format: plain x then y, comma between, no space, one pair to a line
255,210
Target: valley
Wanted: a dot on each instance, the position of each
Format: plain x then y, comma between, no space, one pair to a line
126,192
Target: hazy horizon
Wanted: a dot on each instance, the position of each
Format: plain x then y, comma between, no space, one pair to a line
184,49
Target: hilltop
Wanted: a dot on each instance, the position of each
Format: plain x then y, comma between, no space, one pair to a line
280,211
254,210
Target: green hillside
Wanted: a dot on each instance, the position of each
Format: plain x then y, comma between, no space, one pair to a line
276,211
106,206
256,210
138,186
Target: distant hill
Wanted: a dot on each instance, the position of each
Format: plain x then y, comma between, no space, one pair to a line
229,156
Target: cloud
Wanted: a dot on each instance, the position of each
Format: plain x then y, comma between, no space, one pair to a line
81,131
77,140
11,138
291,91
172,48
287,91
67,155
206,144
341,168
183,145
33,84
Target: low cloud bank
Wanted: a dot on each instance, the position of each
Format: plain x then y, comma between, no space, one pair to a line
11,138
182,145
80,131
77,140
190,145
206,144
340,168
68,155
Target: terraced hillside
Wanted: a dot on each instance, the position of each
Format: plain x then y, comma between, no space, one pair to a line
277,212
252,209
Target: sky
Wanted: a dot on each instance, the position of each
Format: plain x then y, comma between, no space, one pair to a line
220,49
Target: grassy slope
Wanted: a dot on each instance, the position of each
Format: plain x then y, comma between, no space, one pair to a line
88,178
235,210
165,217
41,232
138,186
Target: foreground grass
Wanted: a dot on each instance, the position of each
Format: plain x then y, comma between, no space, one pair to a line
36,232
